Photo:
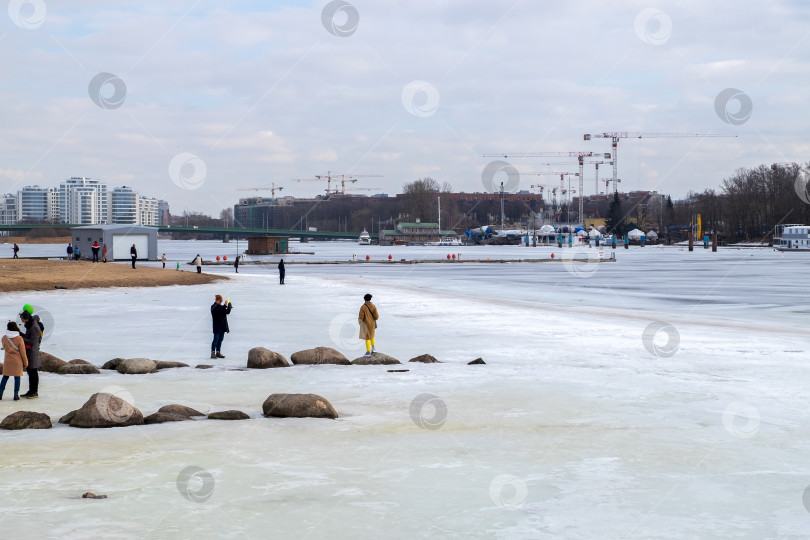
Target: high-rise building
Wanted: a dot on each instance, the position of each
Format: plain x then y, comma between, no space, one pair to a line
8,209
35,203
84,201
164,213
125,206
148,212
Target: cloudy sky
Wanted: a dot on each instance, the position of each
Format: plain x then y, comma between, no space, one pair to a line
192,100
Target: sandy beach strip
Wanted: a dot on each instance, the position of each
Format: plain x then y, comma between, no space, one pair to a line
44,275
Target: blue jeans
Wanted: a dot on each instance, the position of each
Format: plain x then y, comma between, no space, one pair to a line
217,343
16,385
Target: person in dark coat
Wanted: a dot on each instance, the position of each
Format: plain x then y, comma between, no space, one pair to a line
236,264
219,317
32,338
16,249
77,253
281,272
95,247
134,254
70,251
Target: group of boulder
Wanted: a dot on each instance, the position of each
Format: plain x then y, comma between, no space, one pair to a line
258,358
105,410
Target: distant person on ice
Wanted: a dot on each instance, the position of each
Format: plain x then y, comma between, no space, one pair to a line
16,250
368,323
281,272
163,260
198,263
95,247
236,264
15,360
219,316
134,254
70,251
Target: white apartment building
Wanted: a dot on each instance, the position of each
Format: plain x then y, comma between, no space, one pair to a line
148,211
125,206
8,209
84,201
34,203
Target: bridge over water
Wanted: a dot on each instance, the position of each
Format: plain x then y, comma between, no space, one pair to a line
217,231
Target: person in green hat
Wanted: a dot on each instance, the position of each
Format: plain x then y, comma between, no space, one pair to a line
29,308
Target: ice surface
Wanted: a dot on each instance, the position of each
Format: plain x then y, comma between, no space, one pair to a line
573,428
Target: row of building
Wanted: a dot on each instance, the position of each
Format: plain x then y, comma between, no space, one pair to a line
82,201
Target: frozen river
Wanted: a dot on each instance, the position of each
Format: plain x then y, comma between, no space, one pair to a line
659,396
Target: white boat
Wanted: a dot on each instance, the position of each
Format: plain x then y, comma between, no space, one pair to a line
446,242
792,238
364,239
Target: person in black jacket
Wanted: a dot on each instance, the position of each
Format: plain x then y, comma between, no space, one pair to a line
219,316
281,272
134,254
32,338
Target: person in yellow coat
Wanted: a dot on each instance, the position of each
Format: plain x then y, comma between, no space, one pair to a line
368,323
15,360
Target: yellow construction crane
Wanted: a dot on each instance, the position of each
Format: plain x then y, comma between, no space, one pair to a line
272,189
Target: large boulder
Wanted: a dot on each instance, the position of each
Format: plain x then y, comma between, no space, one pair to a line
26,420
181,410
161,417
298,406
425,359
112,364
475,362
104,411
80,361
228,415
136,366
50,363
319,355
261,358
162,364
78,369
375,359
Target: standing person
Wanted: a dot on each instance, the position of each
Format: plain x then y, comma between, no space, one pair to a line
32,338
70,251
16,249
163,260
15,360
95,247
368,323
134,254
281,272
198,263
236,264
77,253
105,252
219,316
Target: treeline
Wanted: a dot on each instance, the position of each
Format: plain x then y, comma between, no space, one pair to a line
752,202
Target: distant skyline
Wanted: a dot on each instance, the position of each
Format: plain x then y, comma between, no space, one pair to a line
190,101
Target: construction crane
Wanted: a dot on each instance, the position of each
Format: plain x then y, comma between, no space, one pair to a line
616,135
319,178
586,162
352,178
272,189
562,182
580,158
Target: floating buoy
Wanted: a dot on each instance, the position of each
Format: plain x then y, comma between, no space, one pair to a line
367,257
224,257
552,255
217,257
454,255
390,257
448,256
